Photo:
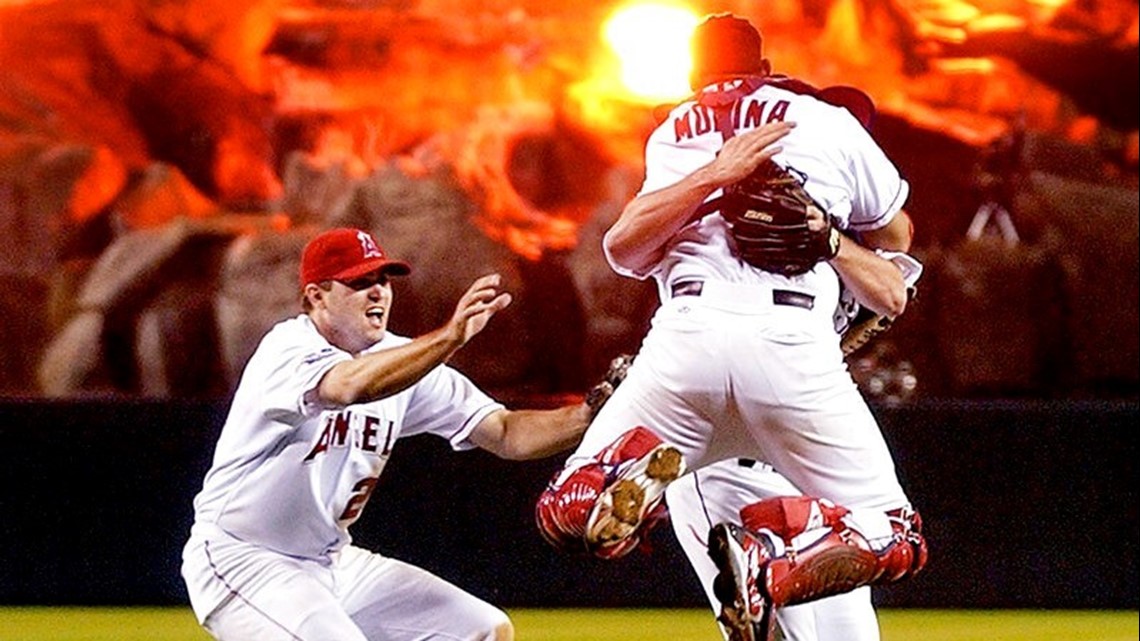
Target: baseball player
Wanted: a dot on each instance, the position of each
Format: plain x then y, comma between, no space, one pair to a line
743,360
716,493
319,407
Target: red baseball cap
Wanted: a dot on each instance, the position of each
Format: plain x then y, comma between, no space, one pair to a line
343,254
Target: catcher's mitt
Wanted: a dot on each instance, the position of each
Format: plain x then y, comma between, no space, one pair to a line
777,226
865,326
600,393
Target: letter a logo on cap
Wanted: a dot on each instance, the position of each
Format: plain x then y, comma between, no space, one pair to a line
371,249
345,253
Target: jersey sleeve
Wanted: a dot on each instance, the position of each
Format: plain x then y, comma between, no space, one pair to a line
668,160
291,364
446,403
879,189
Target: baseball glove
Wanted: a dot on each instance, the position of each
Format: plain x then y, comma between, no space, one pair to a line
777,226
865,326
600,393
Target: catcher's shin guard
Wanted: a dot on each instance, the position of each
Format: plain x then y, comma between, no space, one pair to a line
789,516
835,563
825,555
603,507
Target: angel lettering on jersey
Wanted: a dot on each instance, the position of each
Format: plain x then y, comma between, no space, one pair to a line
336,432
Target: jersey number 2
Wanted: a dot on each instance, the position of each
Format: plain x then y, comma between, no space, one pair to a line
360,493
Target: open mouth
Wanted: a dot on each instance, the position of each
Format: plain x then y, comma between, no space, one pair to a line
375,314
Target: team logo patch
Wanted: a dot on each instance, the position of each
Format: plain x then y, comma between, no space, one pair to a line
368,244
319,356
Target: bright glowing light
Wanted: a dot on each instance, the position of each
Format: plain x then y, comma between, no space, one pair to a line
956,66
652,42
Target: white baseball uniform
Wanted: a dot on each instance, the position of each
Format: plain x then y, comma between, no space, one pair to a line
714,494
270,556
750,366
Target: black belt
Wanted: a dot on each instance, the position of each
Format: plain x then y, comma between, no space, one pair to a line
779,296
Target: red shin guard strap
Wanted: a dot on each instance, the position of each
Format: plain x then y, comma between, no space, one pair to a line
789,516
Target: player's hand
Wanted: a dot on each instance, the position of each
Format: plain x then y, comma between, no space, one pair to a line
744,152
482,300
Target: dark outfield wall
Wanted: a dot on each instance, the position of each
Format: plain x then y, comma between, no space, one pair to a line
1026,505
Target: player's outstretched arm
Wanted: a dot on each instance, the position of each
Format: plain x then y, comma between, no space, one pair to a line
373,375
534,434
530,434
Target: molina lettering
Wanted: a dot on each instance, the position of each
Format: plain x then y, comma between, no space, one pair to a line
747,114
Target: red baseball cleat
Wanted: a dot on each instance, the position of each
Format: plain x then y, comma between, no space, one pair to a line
635,491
